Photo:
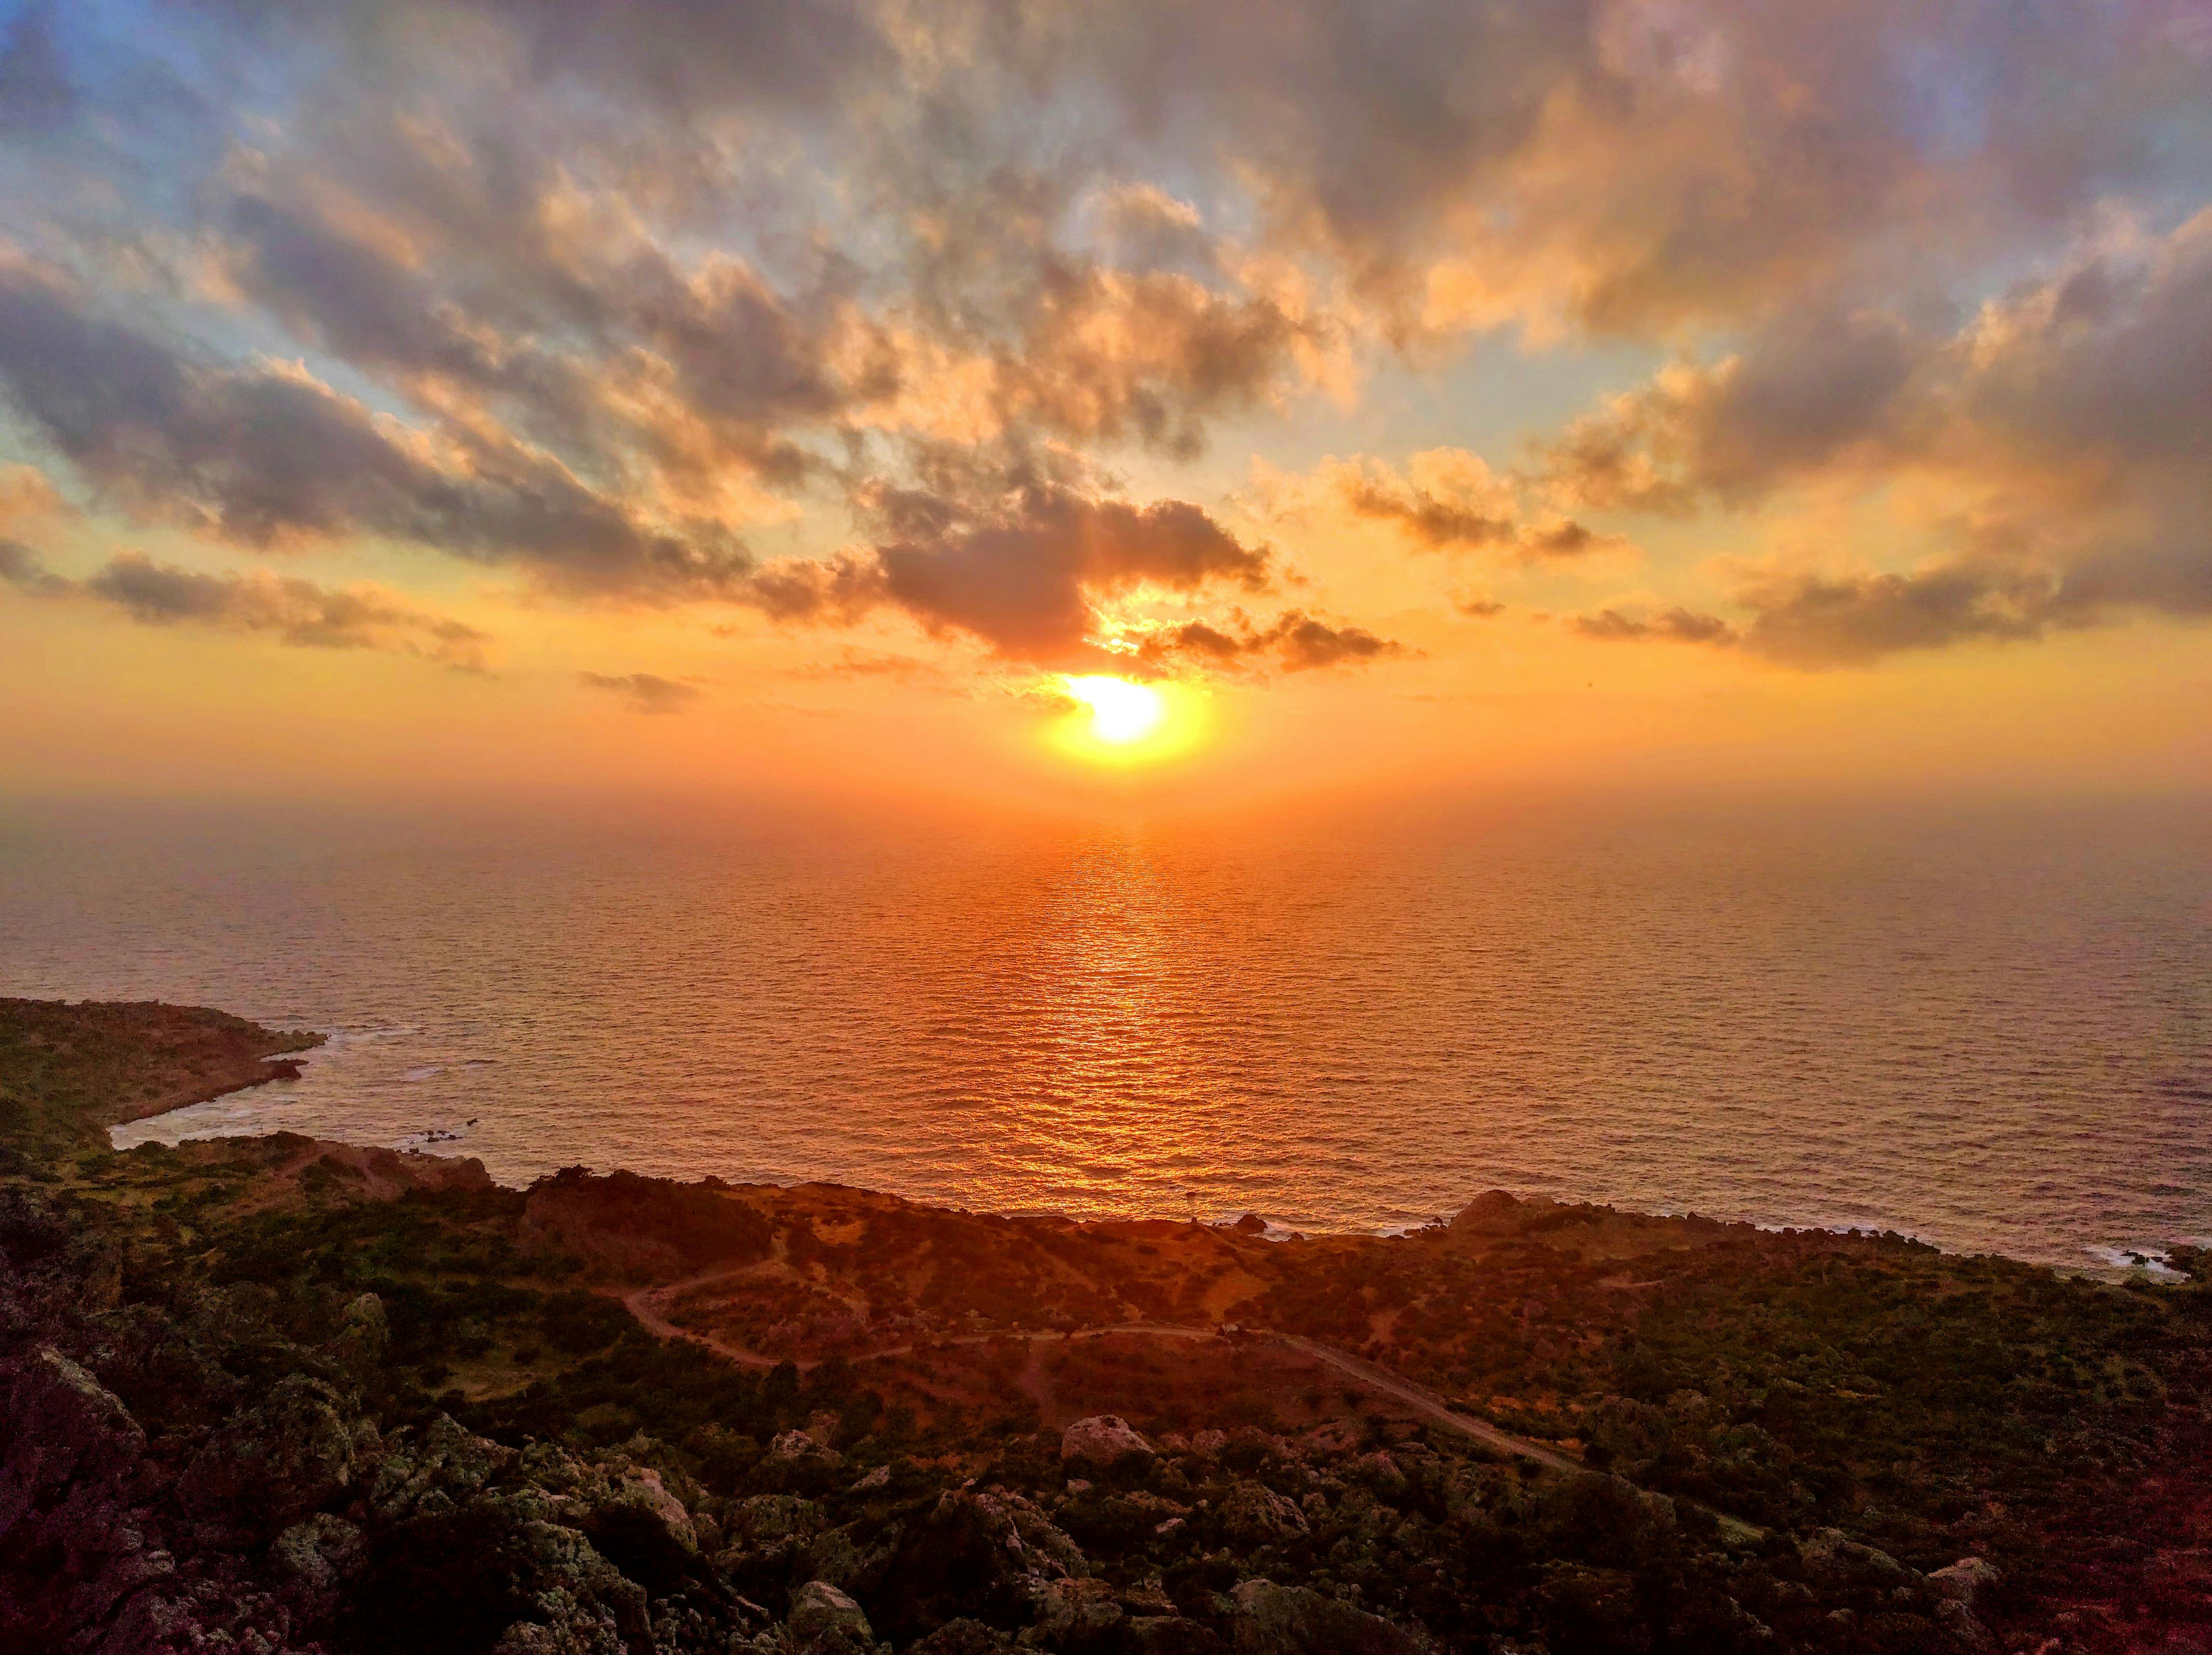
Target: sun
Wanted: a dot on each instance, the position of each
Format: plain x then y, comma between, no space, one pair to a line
1121,713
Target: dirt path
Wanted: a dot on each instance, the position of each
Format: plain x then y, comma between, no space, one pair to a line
1426,1404
640,1305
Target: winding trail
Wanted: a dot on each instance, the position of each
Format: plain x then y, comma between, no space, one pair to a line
1432,1408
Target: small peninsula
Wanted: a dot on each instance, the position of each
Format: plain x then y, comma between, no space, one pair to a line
293,1397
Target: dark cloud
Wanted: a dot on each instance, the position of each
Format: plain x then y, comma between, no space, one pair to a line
2069,421
1294,641
1849,621
644,692
1625,165
1818,621
20,566
291,610
261,454
1304,644
1024,573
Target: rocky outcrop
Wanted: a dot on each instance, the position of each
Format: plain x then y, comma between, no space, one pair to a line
1171,1634
824,1621
434,1471
75,1540
1837,1561
1962,1592
1075,1613
1275,1619
1488,1214
854,1557
1253,1514
64,1428
797,1464
642,1228
269,1465
1104,1442
964,1636
988,1556
1967,1582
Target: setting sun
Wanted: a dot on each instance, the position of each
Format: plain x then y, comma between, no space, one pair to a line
1121,712
1121,724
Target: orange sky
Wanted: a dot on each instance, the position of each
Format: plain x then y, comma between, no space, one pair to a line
1652,394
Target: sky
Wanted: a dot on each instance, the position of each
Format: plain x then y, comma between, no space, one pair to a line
506,394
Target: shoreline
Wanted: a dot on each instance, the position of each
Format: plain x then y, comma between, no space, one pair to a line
1501,1425
2155,1259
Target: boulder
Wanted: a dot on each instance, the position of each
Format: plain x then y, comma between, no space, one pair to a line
317,1554
852,1559
987,1555
1105,1441
446,1461
269,1465
64,1428
824,1621
497,1572
78,1545
363,1335
1076,1614
633,1490
766,1519
1967,1582
1253,1514
1380,1474
1837,1561
1488,1214
1962,1591
1250,1224
1272,1619
797,1463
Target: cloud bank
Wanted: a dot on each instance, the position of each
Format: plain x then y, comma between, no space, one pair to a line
603,295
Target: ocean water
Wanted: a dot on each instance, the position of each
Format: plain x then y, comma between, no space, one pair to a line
1988,1027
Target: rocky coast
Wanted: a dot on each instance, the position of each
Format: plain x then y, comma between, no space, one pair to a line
275,1395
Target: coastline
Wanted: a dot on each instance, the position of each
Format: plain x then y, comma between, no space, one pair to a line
2106,1261
271,1350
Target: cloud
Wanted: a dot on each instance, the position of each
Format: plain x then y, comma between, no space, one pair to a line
1813,622
292,611
1024,573
1445,499
2065,426
262,454
1678,625
644,692
1294,641
590,292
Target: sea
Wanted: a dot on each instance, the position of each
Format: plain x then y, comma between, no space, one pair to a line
1986,1025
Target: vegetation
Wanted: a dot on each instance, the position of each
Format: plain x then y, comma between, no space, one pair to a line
278,1395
